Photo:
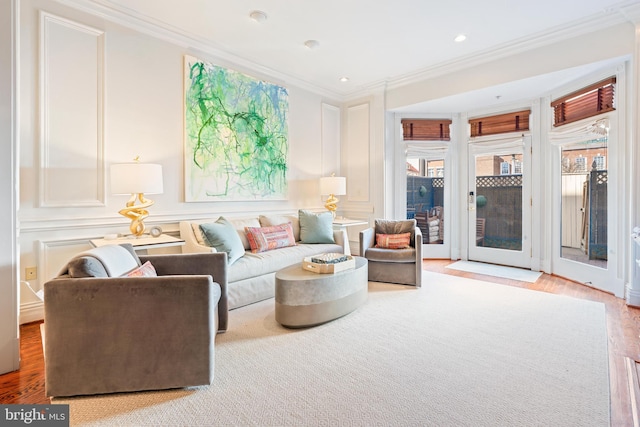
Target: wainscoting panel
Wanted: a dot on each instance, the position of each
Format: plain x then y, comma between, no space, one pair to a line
357,151
330,140
54,254
71,113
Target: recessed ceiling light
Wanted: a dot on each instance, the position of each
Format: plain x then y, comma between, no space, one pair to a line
344,79
258,16
312,44
460,38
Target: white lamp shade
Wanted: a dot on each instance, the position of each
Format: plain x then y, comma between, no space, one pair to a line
134,178
336,185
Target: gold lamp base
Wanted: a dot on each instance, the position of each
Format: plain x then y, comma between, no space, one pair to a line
332,205
137,214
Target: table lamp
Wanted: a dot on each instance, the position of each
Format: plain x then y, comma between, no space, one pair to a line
136,179
333,186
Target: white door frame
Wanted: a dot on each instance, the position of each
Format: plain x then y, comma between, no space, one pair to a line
606,279
520,144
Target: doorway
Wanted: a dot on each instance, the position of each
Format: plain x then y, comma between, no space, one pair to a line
586,207
499,202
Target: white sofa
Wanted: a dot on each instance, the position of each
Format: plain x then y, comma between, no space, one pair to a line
252,277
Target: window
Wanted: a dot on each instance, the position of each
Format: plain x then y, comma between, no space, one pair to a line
590,101
431,172
504,168
600,162
440,172
581,164
502,123
426,129
517,167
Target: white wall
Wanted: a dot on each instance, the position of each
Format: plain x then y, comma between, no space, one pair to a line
142,115
9,345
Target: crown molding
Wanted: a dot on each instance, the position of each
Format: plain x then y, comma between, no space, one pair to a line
631,12
163,31
627,12
608,19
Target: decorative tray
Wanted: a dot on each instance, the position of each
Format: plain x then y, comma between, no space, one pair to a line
327,264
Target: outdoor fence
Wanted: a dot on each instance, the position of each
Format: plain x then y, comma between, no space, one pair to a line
499,202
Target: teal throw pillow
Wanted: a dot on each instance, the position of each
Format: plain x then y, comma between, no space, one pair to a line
223,236
316,228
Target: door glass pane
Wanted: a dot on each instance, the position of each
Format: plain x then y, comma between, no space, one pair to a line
584,204
498,201
425,197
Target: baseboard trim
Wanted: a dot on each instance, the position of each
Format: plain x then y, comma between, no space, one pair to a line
31,312
634,389
632,296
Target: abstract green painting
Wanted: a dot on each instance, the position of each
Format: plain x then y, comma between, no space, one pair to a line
236,135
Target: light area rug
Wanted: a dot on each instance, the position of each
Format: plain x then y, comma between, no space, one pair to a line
456,352
496,270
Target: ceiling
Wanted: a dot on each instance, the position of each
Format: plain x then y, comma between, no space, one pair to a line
369,41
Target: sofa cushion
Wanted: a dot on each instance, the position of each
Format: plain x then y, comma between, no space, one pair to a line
267,238
239,224
393,241
253,265
223,236
391,255
269,220
195,226
316,227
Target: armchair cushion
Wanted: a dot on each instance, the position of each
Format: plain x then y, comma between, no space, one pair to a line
393,241
386,226
396,255
85,266
105,261
145,270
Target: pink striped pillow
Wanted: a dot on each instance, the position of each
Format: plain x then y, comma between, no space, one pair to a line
145,270
266,238
393,241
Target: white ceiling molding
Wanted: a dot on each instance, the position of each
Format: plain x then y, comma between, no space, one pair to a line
516,46
110,10
145,25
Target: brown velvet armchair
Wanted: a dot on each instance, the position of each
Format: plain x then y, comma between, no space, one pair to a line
105,333
403,266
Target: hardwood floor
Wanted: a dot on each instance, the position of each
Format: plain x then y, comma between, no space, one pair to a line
26,385
623,324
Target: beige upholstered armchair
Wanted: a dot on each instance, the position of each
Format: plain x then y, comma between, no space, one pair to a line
115,324
403,265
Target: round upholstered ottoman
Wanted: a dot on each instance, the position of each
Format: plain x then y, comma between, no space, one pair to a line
305,298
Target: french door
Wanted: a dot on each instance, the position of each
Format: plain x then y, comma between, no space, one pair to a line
499,201
585,204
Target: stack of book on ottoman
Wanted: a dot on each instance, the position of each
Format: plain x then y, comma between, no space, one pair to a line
328,263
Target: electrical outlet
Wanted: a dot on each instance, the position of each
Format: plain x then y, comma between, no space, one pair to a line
31,273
